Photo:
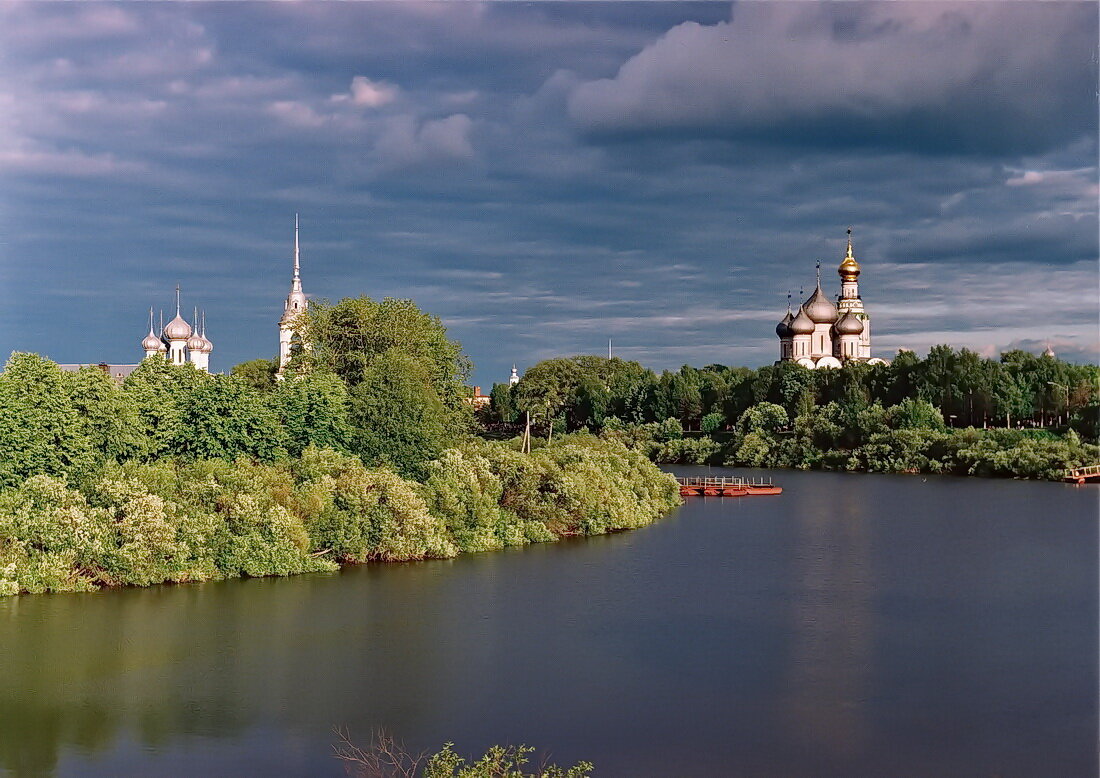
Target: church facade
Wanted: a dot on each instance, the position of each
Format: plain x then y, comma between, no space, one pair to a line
824,333
178,341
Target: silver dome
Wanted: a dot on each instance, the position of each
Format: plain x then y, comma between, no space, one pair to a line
819,308
196,342
177,329
801,324
849,324
152,343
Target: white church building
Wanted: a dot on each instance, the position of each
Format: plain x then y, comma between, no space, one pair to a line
827,334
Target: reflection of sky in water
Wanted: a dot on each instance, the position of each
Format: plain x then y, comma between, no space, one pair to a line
833,622
853,625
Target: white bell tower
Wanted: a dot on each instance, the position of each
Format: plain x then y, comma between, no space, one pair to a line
294,306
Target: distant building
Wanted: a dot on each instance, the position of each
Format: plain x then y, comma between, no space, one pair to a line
824,334
179,341
477,399
514,378
116,372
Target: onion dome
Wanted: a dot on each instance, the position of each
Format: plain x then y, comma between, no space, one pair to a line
196,342
207,346
819,308
849,268
849,324
801,324
177,329
783,329
152,343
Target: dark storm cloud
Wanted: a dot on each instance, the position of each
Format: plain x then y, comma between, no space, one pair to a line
982,78
508,167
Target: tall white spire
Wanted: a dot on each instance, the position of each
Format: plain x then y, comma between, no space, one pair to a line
296,283
514,378
295,305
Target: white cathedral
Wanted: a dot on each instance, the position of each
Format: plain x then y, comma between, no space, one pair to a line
824,334
181,342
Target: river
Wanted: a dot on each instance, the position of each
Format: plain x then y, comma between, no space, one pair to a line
854,625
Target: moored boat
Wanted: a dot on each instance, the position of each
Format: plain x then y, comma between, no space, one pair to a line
723,486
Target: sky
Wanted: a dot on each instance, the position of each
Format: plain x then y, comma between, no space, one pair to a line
544,176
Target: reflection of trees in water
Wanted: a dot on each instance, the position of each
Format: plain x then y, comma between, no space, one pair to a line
212,660
833,623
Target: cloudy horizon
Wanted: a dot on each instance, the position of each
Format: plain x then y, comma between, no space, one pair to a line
545,176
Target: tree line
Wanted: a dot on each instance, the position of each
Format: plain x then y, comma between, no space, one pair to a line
967,389
363,451
734,415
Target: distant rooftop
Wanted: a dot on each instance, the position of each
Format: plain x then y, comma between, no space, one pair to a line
117,372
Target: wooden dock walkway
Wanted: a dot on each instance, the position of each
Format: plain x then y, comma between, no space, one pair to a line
725,486
1080,475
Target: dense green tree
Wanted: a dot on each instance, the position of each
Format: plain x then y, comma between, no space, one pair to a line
40,429
915,414
258,373
348,337
314,411
397,417
159,391
223,418
502,405
107,414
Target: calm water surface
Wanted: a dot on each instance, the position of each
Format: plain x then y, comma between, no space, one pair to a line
855,625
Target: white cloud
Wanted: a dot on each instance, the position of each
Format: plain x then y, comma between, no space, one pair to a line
296,114
919,70
405,142
367,93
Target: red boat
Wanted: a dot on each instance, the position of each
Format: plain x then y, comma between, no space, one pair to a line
721,486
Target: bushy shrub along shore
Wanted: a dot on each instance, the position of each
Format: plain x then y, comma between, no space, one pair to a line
906,438
177,521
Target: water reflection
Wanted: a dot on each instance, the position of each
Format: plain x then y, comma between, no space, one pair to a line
855,625
832,625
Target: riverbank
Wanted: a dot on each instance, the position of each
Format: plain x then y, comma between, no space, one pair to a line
819,624
174,521
872,442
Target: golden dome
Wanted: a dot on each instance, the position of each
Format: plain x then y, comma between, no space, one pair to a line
849,268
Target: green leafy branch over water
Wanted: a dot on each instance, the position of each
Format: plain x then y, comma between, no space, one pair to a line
385,757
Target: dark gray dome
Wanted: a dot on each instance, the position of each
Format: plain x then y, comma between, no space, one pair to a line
783,329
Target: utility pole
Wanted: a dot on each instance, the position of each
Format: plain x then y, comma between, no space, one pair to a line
525,446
